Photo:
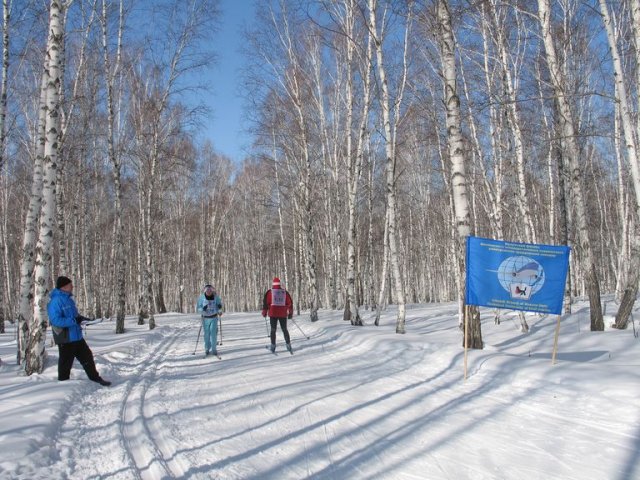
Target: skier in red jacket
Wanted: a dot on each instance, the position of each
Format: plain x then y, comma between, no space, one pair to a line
278,304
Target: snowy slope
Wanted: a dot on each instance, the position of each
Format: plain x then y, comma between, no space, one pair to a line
351,403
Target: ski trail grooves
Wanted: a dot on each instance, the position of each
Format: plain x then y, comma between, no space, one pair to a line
144,444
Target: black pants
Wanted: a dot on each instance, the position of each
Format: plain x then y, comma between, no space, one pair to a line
283,326
69,352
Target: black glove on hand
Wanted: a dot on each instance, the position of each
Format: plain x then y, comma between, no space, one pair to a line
204,309
290,316
219,306
80,319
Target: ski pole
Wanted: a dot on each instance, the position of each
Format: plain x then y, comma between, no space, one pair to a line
294,322
198,339
220,320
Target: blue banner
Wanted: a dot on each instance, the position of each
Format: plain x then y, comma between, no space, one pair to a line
516,276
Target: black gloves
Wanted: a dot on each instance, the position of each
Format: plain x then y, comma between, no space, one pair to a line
290,316
219,306
80,319
204,309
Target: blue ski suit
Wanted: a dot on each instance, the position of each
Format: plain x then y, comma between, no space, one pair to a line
210,307
67,333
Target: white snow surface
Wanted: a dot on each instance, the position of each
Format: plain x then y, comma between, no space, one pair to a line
351,403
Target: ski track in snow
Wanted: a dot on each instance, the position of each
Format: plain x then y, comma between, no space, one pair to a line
142,433
333,410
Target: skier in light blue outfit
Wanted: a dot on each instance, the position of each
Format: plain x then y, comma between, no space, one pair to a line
210,307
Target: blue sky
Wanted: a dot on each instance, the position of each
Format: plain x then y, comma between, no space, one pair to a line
225,128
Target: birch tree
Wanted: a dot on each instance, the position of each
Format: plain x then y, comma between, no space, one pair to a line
32,217
633,275
112,74
571,151
292,82
4,292
390,136
176,53
355,56
510,90
6,16
35,352
455,146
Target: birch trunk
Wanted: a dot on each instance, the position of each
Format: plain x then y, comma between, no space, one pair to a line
568,131
623,259
5,311
35,353
6,16
456,155
514,120
633,272
385,269
390,168
280,219
355,159
295,92
309,240
31,225
111,73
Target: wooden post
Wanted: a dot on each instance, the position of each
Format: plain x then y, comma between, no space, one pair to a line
466,337
555,342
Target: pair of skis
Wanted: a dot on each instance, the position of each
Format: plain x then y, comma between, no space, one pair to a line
276,353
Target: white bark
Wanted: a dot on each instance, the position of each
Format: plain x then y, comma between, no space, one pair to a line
631,289
514,120
35,354
280,218
390,152
293,88
456,155
6,15
568,132
31,226
111,73
355,158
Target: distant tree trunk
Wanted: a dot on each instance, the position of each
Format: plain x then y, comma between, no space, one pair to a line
623,212
280,218
369,262
355,158
514,119
297,265
147,272
111,72
390,153
456,155
5,311
385,268
35,354
6,16
563,217
567,128
309,242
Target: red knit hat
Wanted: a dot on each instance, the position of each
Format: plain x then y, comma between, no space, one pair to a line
276,282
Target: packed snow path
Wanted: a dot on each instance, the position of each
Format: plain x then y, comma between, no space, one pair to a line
352,403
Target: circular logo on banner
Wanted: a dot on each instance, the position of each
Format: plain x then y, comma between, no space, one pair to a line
521,276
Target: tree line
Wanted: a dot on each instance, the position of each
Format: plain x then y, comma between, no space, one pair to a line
383,133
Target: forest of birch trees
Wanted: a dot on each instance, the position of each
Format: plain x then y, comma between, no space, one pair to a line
383,132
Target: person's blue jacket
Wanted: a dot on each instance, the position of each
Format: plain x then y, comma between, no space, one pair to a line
214,306
63,313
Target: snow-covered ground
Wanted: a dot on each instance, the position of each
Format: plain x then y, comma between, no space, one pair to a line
351,403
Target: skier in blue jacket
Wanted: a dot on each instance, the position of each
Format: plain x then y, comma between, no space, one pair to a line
209,305
67,333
